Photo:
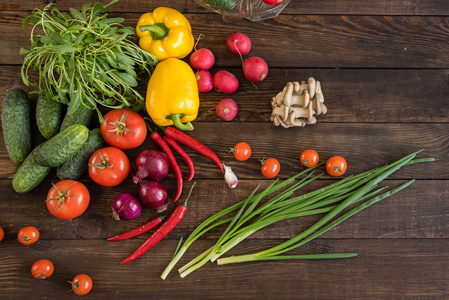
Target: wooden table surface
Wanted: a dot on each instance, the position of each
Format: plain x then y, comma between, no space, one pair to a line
384,71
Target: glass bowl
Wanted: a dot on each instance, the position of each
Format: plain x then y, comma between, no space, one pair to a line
254,10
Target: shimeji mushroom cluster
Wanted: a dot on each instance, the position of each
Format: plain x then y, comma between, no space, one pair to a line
298,104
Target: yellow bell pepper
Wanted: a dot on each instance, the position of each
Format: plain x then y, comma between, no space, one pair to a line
165,33
172,94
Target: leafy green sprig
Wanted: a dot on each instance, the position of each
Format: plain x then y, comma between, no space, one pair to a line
85,58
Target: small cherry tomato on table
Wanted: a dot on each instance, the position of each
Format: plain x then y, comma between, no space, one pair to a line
28,235
2,234
109,166
68,199
123,128
241,151
336,166
82,284
309,158
270,167
42,269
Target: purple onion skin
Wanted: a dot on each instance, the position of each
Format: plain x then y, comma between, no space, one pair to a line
126,207
153,194
151,164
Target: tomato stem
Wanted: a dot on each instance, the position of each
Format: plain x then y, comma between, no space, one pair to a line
105,163
120,126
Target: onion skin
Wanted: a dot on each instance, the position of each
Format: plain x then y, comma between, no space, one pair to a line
151,164
126,207
153,195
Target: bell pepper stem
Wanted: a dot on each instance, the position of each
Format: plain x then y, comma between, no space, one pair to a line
158,31
176,118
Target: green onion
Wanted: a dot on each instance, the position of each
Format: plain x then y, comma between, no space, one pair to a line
253,215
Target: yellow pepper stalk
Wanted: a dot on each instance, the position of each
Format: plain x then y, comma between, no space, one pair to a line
165,33
172,94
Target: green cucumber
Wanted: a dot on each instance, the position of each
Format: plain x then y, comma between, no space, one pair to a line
49,116
77,164
82,115
221,4
30,173
16,125
62,146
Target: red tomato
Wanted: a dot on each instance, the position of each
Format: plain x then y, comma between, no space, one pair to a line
109,166
68,199
241,151
123,128
273,2
82,284
2,234
309,158
336,166
28,235
42,269
270,167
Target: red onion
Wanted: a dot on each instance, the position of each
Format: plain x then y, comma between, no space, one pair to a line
153,194
151,164
126,207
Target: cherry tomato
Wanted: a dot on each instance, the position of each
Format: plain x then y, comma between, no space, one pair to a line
241,151
28,235
123,128
336,166
270,167
109,166
68,199
2,234
309,158
82,284
42,269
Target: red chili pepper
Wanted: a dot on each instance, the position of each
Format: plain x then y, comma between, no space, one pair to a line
196,145
183,154
173,220
155,136
138,230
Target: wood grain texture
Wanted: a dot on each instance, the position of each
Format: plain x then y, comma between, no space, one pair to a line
379,267
304,7
383,67
352,96
313,41
404,215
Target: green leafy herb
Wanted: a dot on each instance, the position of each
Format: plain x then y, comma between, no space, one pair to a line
85,58
333,201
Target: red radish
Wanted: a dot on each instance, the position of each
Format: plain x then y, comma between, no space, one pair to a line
255,69
227,109
202,59
225,82
205,81
238,43
273,2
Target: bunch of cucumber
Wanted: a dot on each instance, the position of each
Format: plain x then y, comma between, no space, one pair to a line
69,142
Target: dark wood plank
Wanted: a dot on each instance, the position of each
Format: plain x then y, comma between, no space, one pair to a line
404,215
300,41
384,268
387,142
306,7
361,95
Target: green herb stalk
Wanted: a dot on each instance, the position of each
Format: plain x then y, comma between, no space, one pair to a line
85,58
330,200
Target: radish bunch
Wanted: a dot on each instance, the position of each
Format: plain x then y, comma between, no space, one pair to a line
255,69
